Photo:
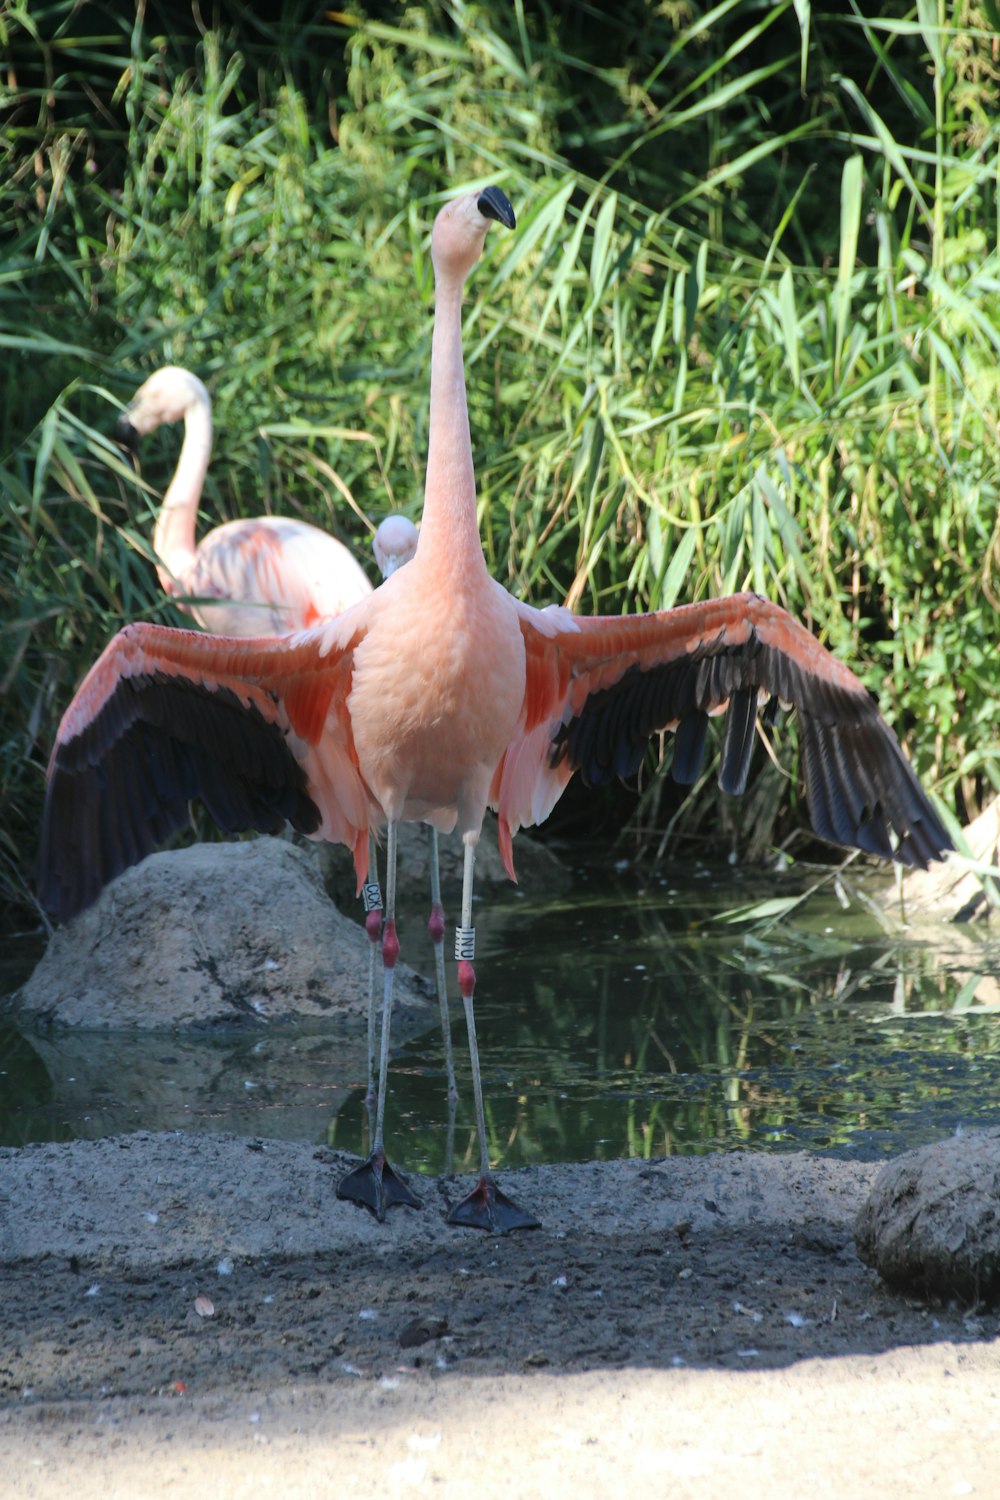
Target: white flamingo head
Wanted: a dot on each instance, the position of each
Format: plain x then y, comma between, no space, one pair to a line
460,229
167,396
394,543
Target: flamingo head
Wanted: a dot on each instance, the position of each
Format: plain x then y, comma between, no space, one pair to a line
167,396
394,544
460,229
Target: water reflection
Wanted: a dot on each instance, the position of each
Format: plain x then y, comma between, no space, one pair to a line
623,1020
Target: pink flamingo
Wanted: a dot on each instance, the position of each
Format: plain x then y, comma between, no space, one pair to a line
271,574
394,543
438,695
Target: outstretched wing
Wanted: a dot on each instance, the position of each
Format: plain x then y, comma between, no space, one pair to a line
256,729
598,688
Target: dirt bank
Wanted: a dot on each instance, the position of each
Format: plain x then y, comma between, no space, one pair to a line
200,1315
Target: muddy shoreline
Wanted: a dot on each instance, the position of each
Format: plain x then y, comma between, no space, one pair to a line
201,1314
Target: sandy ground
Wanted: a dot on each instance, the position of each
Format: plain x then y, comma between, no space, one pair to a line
200,1316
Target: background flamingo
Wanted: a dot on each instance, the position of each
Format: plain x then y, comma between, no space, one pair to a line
440,694
271,574
394,543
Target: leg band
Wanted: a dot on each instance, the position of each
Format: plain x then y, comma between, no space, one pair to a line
465,943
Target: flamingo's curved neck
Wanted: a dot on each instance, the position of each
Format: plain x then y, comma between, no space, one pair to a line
174,534
450,526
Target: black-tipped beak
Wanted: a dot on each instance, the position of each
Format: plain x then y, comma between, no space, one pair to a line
125,434
493,204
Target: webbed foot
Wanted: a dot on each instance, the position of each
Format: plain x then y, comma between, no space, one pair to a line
486,1207
377,1186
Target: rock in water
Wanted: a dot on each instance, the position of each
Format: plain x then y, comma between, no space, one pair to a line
215,934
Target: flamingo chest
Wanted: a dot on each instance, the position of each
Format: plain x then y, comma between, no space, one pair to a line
436,695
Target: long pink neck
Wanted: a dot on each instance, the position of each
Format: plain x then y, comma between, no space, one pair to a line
174,535
449,530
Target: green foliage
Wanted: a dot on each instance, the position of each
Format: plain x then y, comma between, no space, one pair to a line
746,333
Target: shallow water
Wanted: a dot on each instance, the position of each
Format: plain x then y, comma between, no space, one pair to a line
622,1019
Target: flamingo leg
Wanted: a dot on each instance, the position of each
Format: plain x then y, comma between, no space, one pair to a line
375,1184
373,926
486,1207
435,926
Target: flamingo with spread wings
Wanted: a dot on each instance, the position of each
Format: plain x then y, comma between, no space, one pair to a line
439,695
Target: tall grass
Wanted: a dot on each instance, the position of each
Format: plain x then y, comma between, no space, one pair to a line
746,334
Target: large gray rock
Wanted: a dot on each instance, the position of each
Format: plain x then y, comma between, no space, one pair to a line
212,934
931,1223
